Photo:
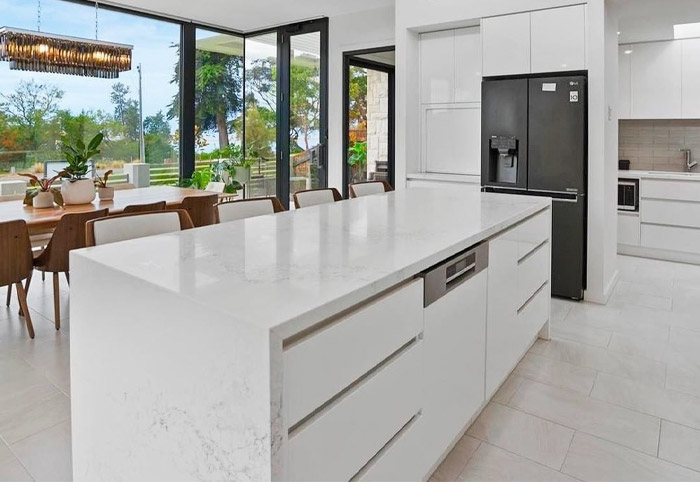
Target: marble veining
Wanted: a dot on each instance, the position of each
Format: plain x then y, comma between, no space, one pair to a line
287,271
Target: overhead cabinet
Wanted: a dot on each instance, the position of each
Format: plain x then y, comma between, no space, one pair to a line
690,49
551,40
624,93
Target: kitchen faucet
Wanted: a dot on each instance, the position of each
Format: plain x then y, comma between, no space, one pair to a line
689,163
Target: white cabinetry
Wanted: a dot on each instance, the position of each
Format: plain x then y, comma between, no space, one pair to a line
624,93
691,78
656,80
558,39
628,230
467,65
519,263
437,53
506,44
452,139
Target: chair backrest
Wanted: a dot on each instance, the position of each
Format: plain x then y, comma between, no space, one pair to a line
367,188
201,209
15,252
144,208
68,235
247,208
122,186
217,187
313,197
121,227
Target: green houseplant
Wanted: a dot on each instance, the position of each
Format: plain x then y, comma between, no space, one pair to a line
357,159
76,188
41,194
105,192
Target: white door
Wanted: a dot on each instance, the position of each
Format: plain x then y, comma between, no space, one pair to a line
437,52
656,80
506,44
558,39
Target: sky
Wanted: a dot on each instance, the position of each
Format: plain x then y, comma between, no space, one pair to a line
152,40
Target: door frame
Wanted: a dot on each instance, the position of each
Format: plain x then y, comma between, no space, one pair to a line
284,35
350,60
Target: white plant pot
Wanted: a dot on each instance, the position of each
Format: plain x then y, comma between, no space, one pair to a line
78,192
43,200
105,193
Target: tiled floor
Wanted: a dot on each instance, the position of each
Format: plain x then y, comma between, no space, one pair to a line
614,396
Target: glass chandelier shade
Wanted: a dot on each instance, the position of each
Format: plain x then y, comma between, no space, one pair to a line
42,52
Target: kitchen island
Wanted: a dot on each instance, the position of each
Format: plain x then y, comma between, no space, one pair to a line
296,346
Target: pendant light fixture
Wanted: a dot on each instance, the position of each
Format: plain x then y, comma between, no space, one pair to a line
41,52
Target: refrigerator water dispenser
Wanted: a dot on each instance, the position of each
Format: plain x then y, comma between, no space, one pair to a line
503,153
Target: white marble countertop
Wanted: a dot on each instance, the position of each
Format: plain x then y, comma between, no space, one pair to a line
433,176
288,271
672,176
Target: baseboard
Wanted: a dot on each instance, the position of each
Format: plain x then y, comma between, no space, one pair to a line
661,254
603,297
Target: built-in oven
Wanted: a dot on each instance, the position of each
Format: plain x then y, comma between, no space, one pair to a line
628,195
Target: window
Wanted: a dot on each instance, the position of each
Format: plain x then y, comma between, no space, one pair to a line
38,109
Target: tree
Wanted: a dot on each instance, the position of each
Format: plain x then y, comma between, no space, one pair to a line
358,98
31,107
157,138
304,99
218,92
119,98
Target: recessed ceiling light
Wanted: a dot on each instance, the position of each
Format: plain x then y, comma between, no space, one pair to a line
627,52
619,33
686,30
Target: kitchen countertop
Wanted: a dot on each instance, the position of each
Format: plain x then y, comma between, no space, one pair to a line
671,176
288,271
433,176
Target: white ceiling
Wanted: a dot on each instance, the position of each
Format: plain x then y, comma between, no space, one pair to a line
644,20
248,15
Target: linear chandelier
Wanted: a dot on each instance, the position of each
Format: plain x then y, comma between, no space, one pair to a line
42,52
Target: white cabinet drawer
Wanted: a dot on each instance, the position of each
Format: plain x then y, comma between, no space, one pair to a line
628,229
323,364
533,272
533,315
671,238
533,232
671,190
345,436
673,213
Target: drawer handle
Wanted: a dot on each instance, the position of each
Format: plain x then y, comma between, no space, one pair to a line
531,253
529,300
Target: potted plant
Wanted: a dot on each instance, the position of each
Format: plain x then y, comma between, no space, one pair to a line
105,192
43,196
357,159
76,188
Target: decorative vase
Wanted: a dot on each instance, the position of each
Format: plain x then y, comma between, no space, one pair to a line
43,199
105,193
81,191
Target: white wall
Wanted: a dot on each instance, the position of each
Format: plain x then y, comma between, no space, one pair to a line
356,31
414,16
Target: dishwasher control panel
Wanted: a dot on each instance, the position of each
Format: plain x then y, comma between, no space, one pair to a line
444,277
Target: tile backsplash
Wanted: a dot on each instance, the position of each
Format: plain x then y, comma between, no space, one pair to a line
654,145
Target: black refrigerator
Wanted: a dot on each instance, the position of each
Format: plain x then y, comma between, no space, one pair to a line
534,142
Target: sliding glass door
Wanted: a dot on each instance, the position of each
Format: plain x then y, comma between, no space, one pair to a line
302,109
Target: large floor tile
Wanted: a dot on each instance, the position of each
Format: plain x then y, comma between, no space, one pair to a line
581,333
656,401
683,374
523,434
560,309
22,422
627,319
639,347
596,358
507,390
686,299
574,410
12,471
454,463
5,453
591,458
555,372
47,454
680,445
490,463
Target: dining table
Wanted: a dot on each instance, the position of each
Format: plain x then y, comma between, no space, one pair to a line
41,220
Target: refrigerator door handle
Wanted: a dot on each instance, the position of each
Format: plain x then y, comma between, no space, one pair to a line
563,200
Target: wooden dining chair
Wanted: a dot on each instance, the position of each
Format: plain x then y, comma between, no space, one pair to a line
201,209
313,197
367,188
247,208
68,235
16,253
216,186
122,227
144,208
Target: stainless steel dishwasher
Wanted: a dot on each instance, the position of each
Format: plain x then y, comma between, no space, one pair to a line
454,345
